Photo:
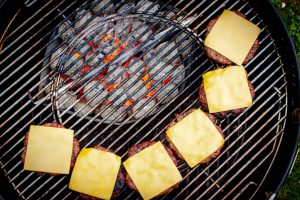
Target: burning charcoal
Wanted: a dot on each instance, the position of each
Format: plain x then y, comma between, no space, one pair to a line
97,89
169,55
142,109
122,27
83,107
116,112
114,95
139,31
183,44
127,8
132,87
113,72
73,65
53,65
150,55
136,68
163,74
179,70
145,4
83,47
165,91
66,100
81,18
65,30
95,58
99,6
107,49
94,21
90,26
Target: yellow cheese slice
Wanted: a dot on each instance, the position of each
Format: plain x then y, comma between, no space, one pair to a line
232,36
95,173
49,149
227,89
195,137
152,170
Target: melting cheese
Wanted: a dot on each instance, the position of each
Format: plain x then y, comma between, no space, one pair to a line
152,170
227,89
49,150
232,36
195,137
95,173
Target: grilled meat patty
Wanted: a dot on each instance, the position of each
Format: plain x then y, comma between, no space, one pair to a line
203,101
179,117
119,183
212,54
75,152
139,147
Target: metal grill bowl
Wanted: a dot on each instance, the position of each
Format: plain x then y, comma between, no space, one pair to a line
259,145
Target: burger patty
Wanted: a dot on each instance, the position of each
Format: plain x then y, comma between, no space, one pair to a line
212,54
179,117
75,152
119,183
139,147
203,101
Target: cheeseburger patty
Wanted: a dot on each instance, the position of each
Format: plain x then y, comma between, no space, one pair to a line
222,59
139,147
75,152
119,183
203,101
179,117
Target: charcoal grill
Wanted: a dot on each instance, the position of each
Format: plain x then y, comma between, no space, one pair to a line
260,143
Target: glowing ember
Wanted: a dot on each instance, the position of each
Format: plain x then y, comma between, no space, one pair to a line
85,69
112,87
76,55
167,80
151,93
128,102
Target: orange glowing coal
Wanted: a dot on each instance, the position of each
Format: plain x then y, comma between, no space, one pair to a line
151,93
128,102
112,87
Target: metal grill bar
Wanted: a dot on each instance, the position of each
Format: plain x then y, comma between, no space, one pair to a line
267,62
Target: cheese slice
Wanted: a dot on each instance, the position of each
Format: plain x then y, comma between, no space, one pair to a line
152,170
49,149
195,137
227,89
95,173
232,36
